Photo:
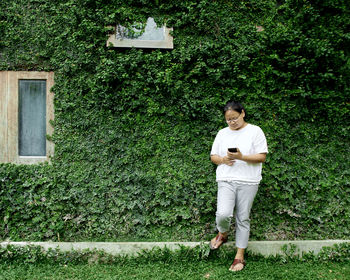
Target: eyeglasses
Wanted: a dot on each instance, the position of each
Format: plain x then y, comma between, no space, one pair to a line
234,120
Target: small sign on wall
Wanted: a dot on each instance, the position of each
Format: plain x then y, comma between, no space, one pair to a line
151,36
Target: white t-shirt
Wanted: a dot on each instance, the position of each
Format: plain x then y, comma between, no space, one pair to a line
250,140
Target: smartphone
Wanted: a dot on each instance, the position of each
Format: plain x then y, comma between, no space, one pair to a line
232,150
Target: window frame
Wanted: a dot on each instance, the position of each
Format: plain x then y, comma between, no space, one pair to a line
166,43
9,94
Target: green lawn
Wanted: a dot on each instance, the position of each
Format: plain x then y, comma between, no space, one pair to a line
31,262
257,268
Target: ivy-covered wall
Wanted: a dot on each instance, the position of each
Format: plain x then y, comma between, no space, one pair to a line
134,127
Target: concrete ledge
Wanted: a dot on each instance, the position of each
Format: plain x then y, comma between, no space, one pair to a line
266,248
273,248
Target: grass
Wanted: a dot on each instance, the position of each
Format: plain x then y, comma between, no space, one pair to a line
257,268
186,263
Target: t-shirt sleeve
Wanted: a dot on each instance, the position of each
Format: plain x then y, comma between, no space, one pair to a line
260,143
215,147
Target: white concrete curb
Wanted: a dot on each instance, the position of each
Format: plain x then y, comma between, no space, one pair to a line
274,248
266,248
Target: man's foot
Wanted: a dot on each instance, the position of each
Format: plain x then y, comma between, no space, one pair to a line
237,265
217,241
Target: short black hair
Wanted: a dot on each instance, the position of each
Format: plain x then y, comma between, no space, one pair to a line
234,106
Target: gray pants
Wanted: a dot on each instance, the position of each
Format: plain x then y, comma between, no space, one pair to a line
238,196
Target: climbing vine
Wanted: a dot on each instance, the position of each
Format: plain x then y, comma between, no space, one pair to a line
134,127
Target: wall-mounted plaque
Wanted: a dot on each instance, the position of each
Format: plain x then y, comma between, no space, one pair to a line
151,36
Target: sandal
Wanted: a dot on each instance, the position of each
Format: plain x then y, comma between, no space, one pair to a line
218,238
235,262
